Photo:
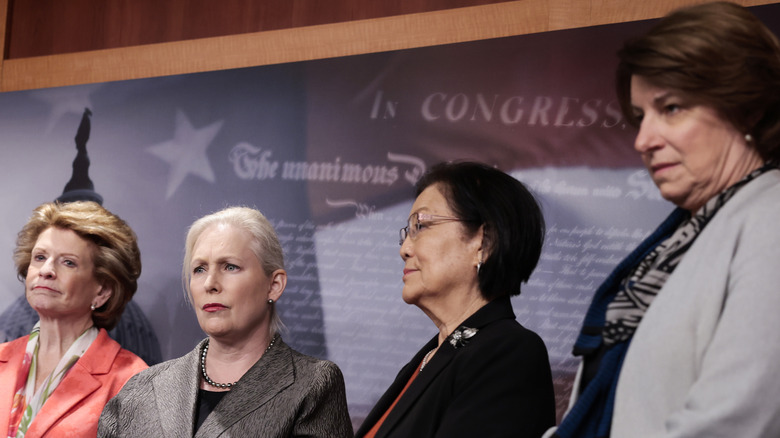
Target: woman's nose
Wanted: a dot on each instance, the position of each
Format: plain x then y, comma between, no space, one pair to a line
648,137
406,248
211,284
47,269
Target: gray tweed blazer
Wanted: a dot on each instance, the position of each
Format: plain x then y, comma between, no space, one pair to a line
284,394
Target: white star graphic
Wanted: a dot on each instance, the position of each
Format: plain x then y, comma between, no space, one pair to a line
65,100
186,152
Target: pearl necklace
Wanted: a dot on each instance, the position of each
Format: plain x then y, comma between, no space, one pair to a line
203,365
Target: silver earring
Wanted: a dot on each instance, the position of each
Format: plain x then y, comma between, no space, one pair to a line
479,265
270,301
92,307
748,138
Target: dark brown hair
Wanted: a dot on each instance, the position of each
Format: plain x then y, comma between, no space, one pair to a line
718,55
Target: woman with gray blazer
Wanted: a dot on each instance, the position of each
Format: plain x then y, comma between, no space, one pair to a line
242,380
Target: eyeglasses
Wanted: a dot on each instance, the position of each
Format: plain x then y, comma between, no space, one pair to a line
419,220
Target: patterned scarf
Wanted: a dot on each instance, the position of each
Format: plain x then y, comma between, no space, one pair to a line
638,290
27,402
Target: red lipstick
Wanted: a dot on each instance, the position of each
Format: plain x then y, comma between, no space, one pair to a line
213,307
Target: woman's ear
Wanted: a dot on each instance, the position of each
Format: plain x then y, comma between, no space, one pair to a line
102,296
278,283
486,247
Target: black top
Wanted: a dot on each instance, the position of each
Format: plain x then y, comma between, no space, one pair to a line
207,401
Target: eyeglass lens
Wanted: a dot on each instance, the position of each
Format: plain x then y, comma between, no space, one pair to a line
410,229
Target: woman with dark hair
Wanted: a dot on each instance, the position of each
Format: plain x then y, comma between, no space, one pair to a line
80,264
678,340
473,236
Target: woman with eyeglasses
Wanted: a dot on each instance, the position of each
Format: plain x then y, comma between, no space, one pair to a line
474,235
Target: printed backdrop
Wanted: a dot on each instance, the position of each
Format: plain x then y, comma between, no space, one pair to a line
329,150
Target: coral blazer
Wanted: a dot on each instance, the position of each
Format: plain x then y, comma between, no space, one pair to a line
75,405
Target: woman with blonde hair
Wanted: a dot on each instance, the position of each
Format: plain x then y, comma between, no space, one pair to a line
80,264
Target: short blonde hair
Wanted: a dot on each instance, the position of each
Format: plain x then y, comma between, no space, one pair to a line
264,244
117,260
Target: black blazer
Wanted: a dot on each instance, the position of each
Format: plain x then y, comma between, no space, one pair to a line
498,384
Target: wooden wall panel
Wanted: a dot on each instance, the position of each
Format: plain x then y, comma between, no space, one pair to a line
50,27
272,47
610,11
3,22
321,41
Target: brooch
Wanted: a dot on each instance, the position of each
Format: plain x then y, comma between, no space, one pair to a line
461,336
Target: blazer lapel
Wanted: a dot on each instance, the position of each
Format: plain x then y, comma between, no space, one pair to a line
177,407
265,379
75,387
438,363
11,355
78,384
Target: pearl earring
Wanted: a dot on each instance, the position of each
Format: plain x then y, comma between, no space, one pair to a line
270,301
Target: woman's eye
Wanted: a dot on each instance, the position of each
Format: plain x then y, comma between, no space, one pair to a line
70,263
231,267
39,257
671,108
198,270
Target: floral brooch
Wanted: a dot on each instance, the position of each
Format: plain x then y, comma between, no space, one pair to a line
461,336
